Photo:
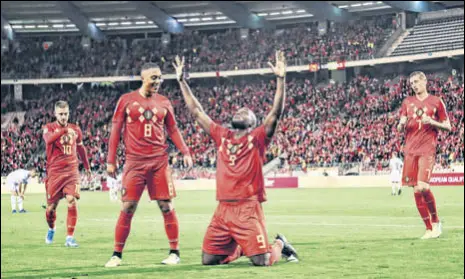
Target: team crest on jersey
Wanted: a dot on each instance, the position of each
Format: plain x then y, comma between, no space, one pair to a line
420,112
148,114
407,179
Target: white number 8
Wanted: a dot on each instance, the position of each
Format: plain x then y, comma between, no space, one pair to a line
147,130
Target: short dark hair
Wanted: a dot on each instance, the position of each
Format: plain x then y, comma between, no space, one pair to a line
149,65
61,104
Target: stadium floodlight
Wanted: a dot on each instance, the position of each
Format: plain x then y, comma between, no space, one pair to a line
300,11
343,6
274,13
368,4
58,26
287,12
126,23
194,19
113,23
356,5
150,22
42,26
17,26
70,25
262,14
29,26
221,17
207,18
182,20
140,22
101,24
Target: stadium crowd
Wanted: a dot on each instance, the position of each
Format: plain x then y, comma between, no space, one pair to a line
205,51
325,125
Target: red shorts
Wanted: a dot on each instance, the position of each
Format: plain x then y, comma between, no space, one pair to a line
237,223
59,185
417,168
155,174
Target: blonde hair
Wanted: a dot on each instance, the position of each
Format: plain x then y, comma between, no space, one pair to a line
417,73
61,104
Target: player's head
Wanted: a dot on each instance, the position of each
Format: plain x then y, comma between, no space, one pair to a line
32,172
62,112
244,119
394,154
418,82
151,78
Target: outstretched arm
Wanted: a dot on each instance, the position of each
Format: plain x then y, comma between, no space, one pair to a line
272,119
192,103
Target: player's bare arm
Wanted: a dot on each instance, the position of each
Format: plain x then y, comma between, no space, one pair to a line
193,104
444,125
402,122
272,119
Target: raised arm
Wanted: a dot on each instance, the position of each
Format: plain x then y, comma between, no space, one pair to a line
272,119
192,103
443,122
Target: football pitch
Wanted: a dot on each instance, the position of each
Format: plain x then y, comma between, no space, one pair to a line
339,233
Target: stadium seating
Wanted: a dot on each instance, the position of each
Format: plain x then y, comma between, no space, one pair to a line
205,51
431,36
323,125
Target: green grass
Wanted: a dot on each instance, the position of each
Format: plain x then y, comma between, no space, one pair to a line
339,233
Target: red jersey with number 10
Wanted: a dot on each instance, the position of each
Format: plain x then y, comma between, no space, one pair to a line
61,153
421,139
239,174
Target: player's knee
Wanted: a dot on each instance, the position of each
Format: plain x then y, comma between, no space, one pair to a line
261,260
129,207
210,259
423,186
165,206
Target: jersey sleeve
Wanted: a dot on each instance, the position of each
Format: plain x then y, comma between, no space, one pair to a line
442,112
173,131
260,137
217,132
79,136
117,125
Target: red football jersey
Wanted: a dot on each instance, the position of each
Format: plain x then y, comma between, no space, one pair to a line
422,139
61,147
239,174
144,120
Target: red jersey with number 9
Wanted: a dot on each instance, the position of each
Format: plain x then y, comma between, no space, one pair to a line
239,174
421,139
61,154
144,122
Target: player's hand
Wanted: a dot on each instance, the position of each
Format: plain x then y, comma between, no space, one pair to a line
280,68
425,119
72,133
21,196
111,170
88,174
179,67
188,163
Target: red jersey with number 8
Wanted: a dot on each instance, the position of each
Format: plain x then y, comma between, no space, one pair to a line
421,139
239,174
144,122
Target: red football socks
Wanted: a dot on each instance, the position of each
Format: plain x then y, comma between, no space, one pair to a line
172,229
423,210
234,256
123,227
72,219
431,204
276,251
50,216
